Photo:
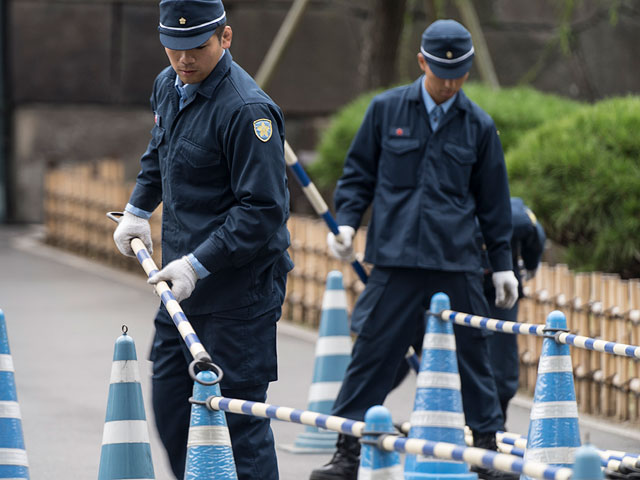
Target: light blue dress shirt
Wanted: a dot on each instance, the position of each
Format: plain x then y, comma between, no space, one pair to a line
431,105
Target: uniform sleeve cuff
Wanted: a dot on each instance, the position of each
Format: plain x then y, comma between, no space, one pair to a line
138,212
201,271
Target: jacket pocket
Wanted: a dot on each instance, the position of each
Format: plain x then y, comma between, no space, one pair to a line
400,161
455,168
200,165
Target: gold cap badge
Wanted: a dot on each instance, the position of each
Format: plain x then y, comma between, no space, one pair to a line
182,20
449,54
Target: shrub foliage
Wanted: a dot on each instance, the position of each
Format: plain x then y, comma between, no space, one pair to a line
581,175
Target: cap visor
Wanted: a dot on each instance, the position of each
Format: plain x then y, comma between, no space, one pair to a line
185,43
450,72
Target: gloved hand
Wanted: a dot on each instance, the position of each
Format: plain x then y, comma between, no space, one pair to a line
529,274
129,227
506,285
341,247
182,276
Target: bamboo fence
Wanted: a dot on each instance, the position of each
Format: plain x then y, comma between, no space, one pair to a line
596,304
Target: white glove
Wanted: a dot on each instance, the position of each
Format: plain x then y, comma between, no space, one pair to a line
506,285
341,246
529,274
182,276
130,227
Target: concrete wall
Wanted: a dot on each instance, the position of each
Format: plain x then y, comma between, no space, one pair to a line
81,71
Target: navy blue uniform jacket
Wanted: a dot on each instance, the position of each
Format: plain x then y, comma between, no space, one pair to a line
223,188
427,187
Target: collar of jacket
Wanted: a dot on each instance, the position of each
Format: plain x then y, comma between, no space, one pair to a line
209,84
415,94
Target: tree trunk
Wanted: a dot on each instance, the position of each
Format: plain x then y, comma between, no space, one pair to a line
380,46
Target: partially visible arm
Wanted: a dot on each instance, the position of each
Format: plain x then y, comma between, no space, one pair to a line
490,188
356,187
258,182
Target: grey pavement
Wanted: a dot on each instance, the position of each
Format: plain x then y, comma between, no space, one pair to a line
63,315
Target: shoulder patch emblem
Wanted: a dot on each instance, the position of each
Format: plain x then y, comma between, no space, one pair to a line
262,129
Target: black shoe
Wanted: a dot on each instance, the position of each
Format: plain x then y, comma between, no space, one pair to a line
488,442
344,464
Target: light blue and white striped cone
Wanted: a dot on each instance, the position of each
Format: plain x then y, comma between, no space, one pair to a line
13,456
333,353
126,452
587,464
209,453
553,434
375,463
437,412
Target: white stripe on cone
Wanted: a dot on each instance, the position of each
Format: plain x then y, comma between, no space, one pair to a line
555,364
554,410
434,418
125,431
6,363
321,391
439,341
334,300
124,371
13,456
333,345
9,409
208,435
438,380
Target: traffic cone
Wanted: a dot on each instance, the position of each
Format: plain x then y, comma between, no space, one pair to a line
553,435
437,412
587,465
375,462
333,353
13,456
209,453
126,452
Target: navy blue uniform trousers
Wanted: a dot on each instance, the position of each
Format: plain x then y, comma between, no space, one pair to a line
390,313
245,348
503,351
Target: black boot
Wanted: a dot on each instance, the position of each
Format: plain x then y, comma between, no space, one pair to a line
345,462
488,442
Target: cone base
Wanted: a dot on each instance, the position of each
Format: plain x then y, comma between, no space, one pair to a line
313,442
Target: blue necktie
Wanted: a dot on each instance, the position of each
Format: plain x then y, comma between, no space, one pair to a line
435,117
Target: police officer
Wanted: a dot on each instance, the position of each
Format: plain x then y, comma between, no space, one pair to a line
216,162
527,243
429,161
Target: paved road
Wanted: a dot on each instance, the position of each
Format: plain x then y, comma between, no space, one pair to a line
63,316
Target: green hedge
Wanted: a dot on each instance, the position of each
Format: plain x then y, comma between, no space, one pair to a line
580,174
515,111
519,109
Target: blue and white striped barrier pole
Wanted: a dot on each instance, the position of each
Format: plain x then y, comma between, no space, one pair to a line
317,202
209,452
515,444
471,455
579,341
126,452
201,358
554,435
13,456
375,463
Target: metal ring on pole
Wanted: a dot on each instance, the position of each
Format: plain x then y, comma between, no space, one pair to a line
205,362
